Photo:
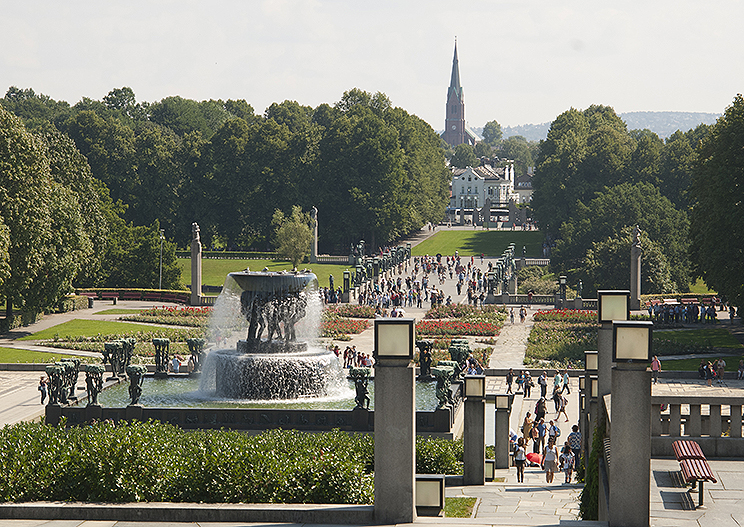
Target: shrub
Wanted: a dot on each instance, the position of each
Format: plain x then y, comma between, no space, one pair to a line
107,462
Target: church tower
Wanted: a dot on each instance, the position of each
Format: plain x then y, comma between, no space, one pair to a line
454,123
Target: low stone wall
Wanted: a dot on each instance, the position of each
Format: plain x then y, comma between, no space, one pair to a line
444,423
192,512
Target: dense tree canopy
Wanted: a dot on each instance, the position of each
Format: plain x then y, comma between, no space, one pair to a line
464,156
618,208
717,196
372,170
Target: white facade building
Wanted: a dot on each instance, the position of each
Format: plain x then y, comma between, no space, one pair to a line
471,187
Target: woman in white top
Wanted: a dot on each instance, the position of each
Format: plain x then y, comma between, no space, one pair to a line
550,460
520,459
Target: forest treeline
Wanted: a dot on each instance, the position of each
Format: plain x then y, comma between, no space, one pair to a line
374,171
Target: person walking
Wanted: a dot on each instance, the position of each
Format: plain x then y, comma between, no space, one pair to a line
509,380
511,315
542,432
550,460
542,380
562,409
557,382
540,409
567,462
566,383
528,384
574,442
519,460
553,432
527,428
720,368
655,368
43,388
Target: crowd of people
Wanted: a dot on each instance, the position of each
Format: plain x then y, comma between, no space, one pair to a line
545,433
685,313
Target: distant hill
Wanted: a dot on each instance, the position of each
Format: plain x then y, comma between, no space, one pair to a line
663,124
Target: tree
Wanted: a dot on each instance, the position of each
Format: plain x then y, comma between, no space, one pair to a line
133,258
584,152
609,213
518,149
47,242
464,156
292,235
607,265
492,133
717,197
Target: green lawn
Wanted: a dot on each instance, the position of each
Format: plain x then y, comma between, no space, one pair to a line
459,507
699,288
119,312
214,272
732,363
86,328
8,355
475,242
716,337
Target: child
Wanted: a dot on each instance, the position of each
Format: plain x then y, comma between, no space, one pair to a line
520,458
567,462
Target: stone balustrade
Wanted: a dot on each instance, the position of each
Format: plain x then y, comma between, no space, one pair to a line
714,422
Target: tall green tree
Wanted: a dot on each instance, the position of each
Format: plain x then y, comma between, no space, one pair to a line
464,156
492,133
292,235
47,240
621,207
717,197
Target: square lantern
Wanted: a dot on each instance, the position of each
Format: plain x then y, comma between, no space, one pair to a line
475,386
582,399
594,387
613,305
631,341
394,338
429,494
502,402
490,469
582,383
562,280
591,361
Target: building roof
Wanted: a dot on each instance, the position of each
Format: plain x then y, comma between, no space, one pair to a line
455,78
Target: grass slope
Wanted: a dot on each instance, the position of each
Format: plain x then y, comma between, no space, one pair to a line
8,355
732,363
86,328
475,242
716,337
214,272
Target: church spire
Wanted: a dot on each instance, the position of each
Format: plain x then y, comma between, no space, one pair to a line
455,80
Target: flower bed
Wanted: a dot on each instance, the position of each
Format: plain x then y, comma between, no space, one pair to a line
185,316
457,327
334,326
566,315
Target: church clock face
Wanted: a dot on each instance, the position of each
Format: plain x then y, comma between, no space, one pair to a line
454,127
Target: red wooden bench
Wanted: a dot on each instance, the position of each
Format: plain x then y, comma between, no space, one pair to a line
152,296
89,294
110,295
131,295
694,466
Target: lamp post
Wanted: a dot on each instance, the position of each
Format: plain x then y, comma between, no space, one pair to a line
162,239
474,435
631,424
395,416
611,305
589,413
501,446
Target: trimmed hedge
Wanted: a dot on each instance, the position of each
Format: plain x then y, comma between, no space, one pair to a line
233,255
137,462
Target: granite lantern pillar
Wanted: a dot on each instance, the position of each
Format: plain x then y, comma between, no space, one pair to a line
395,421
501,446
630,434
474,435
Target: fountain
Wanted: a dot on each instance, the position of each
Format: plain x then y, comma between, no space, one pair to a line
280,366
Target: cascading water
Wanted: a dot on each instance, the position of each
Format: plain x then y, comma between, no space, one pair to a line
284,307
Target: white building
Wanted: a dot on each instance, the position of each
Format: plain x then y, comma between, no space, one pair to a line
471,187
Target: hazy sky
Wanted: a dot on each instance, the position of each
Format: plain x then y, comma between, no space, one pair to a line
521,62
